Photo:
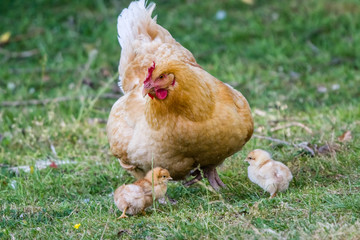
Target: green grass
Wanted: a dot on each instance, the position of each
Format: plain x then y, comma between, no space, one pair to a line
277,53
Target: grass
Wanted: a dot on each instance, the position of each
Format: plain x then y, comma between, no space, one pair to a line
277,53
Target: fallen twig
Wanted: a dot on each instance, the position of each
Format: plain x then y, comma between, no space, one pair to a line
41,164
292,124
102,235
53,100
25,54
40,70
272,139
36,101
303,145
72,212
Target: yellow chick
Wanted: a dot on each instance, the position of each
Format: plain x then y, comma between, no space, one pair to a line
135,198
271,175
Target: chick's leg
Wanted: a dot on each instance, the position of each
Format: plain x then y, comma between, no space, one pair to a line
123,214
273,195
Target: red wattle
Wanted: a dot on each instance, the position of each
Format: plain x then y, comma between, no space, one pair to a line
161,93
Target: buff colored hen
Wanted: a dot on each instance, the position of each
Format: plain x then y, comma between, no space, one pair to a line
173,112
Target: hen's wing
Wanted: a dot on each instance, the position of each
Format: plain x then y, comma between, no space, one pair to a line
124,116
231,97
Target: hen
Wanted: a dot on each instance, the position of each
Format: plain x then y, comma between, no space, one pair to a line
173,113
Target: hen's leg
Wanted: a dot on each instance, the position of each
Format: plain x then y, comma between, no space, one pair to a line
211,174
197,178
218,180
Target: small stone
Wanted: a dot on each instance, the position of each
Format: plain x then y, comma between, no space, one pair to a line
220,15
321,89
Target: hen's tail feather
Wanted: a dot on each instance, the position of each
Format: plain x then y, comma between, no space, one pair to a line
135,23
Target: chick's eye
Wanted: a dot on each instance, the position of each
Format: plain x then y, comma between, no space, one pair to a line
161,76
164,176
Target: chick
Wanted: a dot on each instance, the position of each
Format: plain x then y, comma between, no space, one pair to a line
272,176
134,198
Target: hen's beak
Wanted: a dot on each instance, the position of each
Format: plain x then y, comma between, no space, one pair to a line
145,91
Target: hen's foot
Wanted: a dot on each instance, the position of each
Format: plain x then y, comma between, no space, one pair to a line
167,199
197,178
171,200
211,174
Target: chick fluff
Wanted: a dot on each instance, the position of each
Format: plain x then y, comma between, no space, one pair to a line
271,175
135,198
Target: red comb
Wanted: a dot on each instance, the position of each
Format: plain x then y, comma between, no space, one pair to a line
150,70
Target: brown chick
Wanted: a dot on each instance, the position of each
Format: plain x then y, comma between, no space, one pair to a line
173,113
271,175
135,198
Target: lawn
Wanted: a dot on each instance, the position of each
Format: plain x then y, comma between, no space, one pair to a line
297,63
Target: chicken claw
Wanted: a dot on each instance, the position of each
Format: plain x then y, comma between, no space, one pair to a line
273,195
211,174
218,180
123,214
197,178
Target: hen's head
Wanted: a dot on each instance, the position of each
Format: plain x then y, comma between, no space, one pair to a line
158,83
257,156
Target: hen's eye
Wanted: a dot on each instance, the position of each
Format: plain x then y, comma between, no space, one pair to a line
161,76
